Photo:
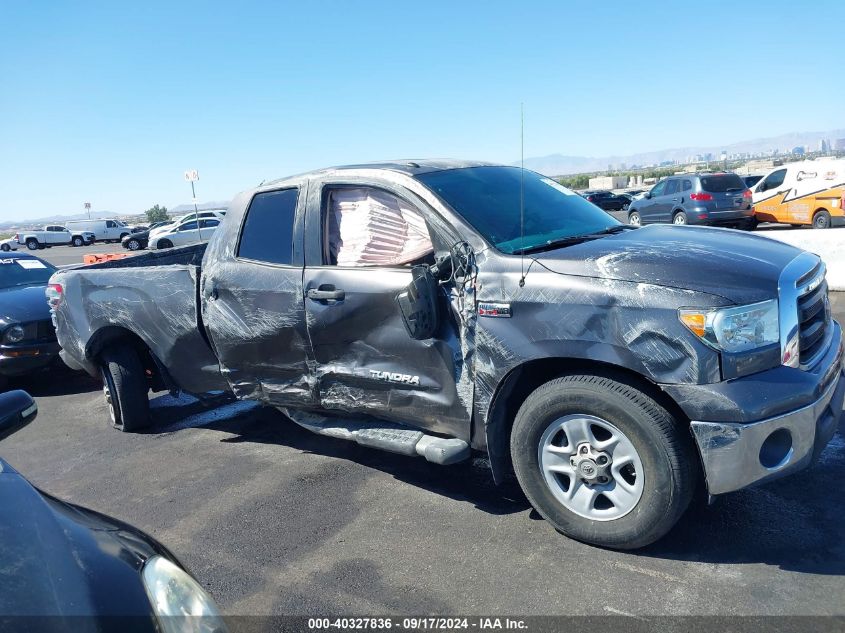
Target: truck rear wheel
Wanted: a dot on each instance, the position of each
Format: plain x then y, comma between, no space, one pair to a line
125,388
32,244
602,461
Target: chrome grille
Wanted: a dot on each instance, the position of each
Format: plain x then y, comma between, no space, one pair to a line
813,318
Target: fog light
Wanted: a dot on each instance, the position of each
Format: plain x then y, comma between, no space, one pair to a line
776,449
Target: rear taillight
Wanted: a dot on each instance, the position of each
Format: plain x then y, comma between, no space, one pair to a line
17,237
703,196
747,194
54,293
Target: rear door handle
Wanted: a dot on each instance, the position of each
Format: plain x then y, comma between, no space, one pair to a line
326,292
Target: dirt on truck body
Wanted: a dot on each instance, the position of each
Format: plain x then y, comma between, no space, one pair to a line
440,308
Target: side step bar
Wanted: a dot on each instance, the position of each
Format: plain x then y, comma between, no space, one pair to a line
385,436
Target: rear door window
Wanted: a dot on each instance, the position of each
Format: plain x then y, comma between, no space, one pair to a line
722,183
267,233
672,187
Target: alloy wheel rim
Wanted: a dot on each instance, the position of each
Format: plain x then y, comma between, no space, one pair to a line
107,394
591,467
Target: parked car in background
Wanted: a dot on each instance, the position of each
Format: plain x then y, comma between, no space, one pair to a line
138,240
805,193
750,181
9,244
218,214
27,337
69,568
715,199
54,235
108,230
184,233
607,200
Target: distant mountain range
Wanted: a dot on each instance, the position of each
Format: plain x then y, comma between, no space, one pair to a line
560,164
99,215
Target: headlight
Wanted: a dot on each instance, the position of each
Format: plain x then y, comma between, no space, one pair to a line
178,600
734,330
14,334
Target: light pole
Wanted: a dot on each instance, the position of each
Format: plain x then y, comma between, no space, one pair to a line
88,209
192,175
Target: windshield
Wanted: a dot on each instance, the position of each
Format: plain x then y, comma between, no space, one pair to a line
488,198
24,271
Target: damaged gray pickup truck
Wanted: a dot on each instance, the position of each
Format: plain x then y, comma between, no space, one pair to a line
440,308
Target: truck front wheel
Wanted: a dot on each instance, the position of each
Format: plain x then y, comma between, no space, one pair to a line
125,388
78,241
602,461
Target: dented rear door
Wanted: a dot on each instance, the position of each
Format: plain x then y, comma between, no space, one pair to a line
252,300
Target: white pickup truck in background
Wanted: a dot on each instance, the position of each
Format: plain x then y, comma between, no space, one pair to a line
53,235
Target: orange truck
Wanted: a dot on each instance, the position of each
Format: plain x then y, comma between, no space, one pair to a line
810,192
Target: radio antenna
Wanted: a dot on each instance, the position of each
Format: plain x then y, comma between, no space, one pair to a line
522,193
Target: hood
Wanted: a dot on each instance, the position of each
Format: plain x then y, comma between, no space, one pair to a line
741,267
57,559
23,304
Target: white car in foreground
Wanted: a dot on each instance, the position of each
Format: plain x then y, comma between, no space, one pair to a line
10,244
184,233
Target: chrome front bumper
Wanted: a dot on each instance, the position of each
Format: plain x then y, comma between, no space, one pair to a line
738,455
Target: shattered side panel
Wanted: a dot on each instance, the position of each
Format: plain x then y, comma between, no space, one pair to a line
156,303
631,325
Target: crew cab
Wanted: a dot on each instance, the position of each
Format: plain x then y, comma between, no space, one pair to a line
53,235
441,308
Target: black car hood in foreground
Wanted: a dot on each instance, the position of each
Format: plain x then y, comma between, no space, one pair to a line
22,304
740,267
57,559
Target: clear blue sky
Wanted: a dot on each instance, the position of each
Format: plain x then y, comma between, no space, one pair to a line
111,101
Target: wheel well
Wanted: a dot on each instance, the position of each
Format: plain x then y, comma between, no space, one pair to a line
523,380
819,210
156,373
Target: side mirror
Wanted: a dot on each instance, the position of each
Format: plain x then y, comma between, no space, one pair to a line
647,195
418,304
17,409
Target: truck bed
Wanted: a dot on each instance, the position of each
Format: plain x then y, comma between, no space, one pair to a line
153,296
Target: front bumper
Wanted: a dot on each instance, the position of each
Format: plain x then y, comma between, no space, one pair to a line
737,455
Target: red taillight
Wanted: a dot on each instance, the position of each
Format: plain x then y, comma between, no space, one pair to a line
701,196
17,237
590,198
746,193
54,293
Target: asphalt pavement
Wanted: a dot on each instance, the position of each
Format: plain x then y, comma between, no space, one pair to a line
274,520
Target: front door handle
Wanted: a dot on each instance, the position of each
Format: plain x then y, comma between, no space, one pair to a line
326,292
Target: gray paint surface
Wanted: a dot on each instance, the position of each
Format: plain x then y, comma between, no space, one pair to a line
612,300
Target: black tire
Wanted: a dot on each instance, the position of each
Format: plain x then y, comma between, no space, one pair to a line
165,244
821,219
78,241
679,218
751,224
32,244
624,207
133,244
6,248
663,444
634,218
125,388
